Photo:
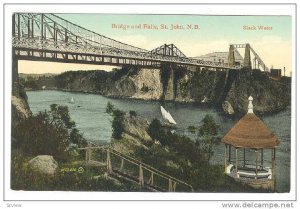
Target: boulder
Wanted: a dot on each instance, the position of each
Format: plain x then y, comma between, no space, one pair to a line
19,110
44,164
227,108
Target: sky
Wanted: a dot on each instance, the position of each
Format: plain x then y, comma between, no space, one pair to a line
214,34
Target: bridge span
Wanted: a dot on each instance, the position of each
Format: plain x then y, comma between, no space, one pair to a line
48,37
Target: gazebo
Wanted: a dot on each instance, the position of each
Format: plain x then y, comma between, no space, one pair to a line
253,138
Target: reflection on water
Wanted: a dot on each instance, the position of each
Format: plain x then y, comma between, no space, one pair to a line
88,111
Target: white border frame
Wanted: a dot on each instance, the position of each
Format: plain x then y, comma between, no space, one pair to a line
203,9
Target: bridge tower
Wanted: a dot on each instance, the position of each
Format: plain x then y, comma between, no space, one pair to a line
231,59
15,73
247,57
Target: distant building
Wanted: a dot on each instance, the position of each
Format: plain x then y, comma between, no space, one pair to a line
275,73
221,57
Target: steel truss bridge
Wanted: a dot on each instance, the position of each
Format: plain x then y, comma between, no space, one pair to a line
48,37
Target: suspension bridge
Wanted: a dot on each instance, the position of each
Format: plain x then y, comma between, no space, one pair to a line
48,37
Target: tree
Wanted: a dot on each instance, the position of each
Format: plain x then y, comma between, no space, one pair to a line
118,123
132,113
208,136
110,108
157,132
49,133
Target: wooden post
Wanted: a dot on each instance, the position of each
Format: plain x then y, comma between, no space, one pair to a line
244,157
86,156
273,168
170,185
236,162
141,176
122,165
225,170
108,162
174,187
262,158
229,156
256,164
152,179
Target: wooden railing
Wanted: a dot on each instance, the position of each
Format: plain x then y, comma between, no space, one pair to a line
131,169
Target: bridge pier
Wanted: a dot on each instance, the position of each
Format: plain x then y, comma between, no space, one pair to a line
247,58
167,77
15,75
231,59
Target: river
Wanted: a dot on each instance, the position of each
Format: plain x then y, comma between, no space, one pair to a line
88,111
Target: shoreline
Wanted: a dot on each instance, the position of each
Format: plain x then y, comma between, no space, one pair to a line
216,107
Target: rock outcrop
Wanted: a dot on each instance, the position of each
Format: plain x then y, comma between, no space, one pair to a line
227,108
19,110
269,95
44,164
134,136
181,84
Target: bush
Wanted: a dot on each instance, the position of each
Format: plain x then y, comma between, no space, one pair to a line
132,113
110,108
208,136
157,132
118,120
118,124
145,89
48,133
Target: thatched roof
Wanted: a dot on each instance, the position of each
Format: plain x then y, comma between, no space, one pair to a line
250,132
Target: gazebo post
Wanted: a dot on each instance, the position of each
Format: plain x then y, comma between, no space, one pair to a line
236,162
229,157
262,158
244,157
256,164
273,167
225,157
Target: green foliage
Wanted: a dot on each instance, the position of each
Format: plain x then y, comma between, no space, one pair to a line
118,124
31,84
110,108
157,132
24,178
208,127
208,136
182,145
48,133
198,152
132,113
192,129
118,120
60,81
145,88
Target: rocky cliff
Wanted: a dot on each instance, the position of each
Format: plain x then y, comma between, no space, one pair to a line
228,89
19,108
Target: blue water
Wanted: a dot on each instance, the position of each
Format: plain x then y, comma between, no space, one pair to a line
88,111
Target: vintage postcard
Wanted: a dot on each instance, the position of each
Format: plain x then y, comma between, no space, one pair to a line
139,102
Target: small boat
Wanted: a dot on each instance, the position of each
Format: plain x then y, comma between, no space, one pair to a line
72,100
167,116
